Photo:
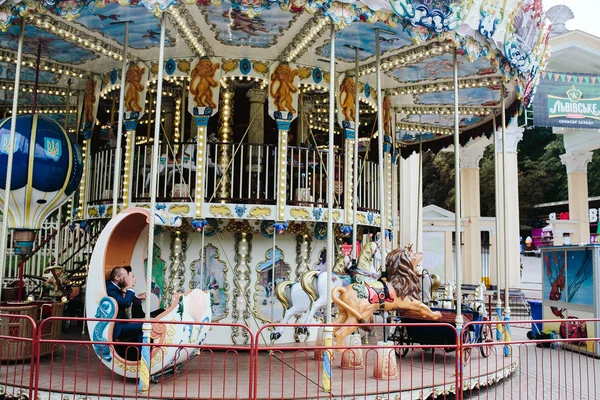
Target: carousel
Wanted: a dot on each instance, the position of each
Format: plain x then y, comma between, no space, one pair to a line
244,157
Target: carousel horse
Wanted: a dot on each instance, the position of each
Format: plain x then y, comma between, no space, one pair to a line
448,296
311,294
123,242
296,300
357,302
478,301
315,283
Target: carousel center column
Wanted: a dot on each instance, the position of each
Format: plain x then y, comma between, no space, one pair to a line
514,134
470,156
576,163
256,132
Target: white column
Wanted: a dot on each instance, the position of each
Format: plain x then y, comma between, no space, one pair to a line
257,97
470,156
514,134
411,226
576,163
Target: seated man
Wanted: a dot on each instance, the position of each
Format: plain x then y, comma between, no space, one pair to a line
137,311
120,288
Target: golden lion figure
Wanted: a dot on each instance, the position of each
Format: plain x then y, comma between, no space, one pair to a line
282,87
387,115
202,81
357,302
89,100
347,98
133,82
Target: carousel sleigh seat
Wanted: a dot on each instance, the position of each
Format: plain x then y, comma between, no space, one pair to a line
123,242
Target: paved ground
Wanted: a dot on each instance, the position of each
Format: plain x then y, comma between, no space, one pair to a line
544,373
531,281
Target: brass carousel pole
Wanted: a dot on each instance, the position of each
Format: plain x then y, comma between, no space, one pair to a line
117,171
497,225
328,332
144,383
68,106
507,350
380,156
330,177
355,160
457,215
9,159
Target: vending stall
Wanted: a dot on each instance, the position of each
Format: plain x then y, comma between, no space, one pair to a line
571,292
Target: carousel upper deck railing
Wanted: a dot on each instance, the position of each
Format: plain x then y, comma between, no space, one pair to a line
250,170
101,176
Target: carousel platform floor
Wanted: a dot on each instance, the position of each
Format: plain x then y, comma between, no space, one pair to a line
291,374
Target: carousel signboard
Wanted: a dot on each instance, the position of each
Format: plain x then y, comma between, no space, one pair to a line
567,101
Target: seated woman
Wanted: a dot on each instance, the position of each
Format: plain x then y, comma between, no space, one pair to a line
137,311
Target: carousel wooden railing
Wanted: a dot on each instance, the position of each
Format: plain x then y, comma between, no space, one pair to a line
368,186
307,177
240,173
101,176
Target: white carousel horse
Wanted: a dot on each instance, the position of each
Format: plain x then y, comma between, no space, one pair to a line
478,303
296,300
315,284
311,294
123,242
448,295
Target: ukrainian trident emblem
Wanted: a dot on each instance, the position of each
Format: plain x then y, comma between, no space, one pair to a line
53,148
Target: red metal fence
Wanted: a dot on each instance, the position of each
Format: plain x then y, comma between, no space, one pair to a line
427,360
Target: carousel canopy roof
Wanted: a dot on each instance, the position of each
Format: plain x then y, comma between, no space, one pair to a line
497,41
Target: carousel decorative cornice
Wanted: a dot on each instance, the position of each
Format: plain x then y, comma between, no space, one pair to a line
424,128
8,84
77,37
407,57
56,109
180,17
225,80
443,85
304,39
444,110
45,65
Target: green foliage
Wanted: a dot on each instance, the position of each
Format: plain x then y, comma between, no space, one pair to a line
542,175
438,180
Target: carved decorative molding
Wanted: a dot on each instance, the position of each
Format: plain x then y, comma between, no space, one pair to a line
257,95
241,309
470,156
514,134
576,161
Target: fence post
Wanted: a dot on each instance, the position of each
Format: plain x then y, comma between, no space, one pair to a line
35,362
459,368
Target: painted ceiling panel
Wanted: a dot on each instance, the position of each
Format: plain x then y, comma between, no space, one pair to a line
467,97
144,31
442,67
7,71
231,27
363,35
443,120
52,46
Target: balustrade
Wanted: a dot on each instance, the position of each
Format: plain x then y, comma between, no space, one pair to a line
251,169
368,186
101,176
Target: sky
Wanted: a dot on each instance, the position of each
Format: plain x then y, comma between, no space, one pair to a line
586,14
